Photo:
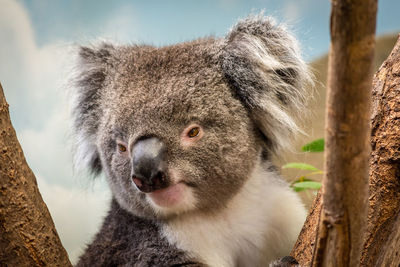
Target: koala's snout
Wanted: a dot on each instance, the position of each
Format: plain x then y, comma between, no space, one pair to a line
148,165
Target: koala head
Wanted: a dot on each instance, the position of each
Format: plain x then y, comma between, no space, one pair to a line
181,128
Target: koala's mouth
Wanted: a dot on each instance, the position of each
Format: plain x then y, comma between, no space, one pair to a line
162,193
157,182
168,196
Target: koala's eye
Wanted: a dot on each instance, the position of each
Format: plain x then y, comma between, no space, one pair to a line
191,135
121,148
193,132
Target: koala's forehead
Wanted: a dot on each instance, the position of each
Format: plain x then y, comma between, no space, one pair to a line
170,82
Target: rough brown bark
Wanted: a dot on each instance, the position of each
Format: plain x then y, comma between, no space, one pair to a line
347,133
382,238
28,236
304,247
382,241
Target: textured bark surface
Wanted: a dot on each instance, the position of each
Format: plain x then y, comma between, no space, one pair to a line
382,243
28,236
304,247
382,238
347,134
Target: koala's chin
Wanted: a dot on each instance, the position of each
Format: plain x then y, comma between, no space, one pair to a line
173,200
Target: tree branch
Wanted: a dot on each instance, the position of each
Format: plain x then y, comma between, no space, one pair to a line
28,236
345,185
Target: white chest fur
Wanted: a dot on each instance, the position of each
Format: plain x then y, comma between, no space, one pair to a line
260,224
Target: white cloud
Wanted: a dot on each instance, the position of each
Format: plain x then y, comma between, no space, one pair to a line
32,79
17,46
121,25
76,207
291,11
294,9
47,149
30,75
77,214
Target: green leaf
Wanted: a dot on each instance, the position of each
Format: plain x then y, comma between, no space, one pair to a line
299,165
297,189
306,185
301,179
315,146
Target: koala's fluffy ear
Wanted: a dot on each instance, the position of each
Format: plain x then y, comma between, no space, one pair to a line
86,95
263,65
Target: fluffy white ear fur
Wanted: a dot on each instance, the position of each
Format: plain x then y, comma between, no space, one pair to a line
263,62
87,82
85,154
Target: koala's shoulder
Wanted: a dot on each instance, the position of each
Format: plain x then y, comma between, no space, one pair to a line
125,239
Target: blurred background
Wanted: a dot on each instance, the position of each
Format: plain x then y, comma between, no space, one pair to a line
37,40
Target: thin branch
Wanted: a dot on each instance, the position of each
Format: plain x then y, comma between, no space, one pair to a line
345,184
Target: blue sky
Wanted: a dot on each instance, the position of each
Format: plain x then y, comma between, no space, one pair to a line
36,53
167,22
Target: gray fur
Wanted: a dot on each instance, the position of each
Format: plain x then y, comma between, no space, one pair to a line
263,64
86,105
120,243
244,90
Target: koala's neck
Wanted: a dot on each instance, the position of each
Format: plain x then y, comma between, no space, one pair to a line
260,224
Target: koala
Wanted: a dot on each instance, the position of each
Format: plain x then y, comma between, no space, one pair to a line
185,135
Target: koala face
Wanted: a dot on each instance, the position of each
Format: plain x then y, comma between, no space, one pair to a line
180,128
178,97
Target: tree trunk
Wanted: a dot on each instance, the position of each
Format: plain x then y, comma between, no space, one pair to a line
347,134
28,236
382,239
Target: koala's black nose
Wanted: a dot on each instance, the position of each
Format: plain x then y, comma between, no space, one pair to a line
148,164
